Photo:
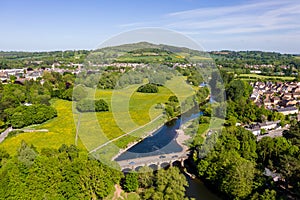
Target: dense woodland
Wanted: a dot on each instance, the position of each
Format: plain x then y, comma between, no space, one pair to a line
68,173
64,173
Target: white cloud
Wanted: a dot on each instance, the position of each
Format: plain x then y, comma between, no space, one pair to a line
261,17
266,25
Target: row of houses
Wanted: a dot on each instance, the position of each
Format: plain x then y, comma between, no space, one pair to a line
30,74
282,97
257,127
264,66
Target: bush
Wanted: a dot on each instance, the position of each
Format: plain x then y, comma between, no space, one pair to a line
88,105
148,88
173,99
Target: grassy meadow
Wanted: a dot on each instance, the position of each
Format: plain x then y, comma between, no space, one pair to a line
61,130
130,111
254,77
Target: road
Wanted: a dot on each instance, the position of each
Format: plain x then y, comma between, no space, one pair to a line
4,134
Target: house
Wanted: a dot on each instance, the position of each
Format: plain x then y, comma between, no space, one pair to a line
291,103
288,110
3,76
254,128
269,125
276,100
296,95
267,102
287,96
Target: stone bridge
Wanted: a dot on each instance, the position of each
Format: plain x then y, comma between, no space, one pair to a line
155,162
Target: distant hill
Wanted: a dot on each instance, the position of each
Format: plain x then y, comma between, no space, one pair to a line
144,52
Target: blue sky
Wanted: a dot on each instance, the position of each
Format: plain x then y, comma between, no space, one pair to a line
35,25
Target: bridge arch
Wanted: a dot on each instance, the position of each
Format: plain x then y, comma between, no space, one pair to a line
126,170
165,164
154,166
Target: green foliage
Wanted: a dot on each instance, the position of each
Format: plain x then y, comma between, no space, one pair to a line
230,166
3,155
148,88
244,110
55,174
146,177
131,183
26,154
170,111
238,181
238,90
293,134
88,105
270,150
169,184
27,115
204,119
154,54
202,94
195,78
267,195
108,81
216,87
173,99
237,60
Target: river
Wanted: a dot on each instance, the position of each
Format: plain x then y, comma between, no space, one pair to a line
198,190
162,142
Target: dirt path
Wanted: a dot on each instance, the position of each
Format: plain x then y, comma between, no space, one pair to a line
5,134
117,193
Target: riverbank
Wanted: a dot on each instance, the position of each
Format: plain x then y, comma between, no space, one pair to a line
181,138
168,139
148,134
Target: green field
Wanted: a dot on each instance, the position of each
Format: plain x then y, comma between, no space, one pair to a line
262,77
129,110
61,131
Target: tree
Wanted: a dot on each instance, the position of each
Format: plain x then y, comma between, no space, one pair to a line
238,179
173,99
293,134
88,105
146,177
101,105
131,183
26,154
267,195
148,88
170,184
97,181
79,93
237,90
27,115
3,155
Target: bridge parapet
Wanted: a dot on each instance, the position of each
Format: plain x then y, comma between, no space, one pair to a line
150,160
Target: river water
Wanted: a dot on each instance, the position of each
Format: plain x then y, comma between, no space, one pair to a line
162,142
198,190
